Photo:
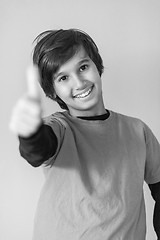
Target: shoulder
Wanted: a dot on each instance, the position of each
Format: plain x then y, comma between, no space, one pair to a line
128,120
130,124
55,118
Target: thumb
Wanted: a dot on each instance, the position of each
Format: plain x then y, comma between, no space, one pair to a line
32,82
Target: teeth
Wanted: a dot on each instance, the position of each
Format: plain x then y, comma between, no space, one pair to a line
84,94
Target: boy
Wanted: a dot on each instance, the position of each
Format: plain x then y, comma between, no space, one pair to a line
95,160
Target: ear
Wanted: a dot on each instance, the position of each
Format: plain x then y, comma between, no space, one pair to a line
54,95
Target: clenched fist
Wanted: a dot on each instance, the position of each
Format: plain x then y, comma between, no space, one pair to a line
27,113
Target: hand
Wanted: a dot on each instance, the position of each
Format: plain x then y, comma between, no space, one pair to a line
27,113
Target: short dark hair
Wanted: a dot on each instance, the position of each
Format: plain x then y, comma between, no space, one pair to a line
55,47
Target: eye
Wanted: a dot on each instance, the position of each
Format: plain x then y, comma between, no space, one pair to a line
83,67
63,78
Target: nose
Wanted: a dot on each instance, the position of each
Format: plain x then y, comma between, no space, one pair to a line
78,82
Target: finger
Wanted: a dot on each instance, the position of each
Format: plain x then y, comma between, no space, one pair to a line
25,124
30,108
32,82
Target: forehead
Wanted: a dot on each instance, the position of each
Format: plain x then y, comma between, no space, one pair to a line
80,54
79,57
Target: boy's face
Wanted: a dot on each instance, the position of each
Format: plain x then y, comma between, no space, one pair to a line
78,84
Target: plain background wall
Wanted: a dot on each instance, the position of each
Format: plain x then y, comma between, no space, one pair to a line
128,35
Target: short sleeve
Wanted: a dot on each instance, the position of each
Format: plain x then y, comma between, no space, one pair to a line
152,167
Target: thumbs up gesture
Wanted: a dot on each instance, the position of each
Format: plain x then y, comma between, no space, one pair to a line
26,116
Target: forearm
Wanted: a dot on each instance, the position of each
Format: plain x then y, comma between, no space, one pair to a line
155,191
39,147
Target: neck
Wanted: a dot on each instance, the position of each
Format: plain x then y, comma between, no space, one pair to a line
97,117
89,113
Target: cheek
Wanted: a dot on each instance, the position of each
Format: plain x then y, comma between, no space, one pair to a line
95,74
96,77
62,91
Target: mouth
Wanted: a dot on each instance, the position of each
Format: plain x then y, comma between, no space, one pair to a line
84,94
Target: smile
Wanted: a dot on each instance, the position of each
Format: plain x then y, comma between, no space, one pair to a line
85,94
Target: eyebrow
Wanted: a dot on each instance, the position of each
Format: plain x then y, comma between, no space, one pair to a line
84,60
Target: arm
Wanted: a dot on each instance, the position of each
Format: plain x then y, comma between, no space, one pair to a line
37,141
39,147
155,191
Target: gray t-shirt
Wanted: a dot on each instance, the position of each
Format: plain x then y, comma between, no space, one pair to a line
94,183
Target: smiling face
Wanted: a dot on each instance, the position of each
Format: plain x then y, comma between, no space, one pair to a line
78,84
